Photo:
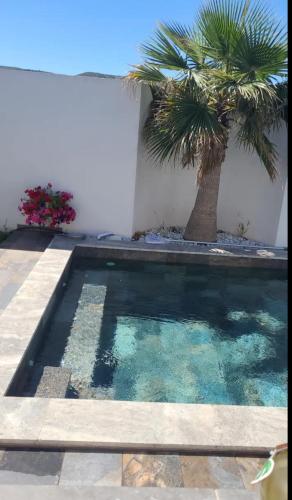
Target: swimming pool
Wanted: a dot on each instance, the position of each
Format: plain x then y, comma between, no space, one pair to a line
180,333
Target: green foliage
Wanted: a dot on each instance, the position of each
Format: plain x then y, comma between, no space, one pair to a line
228,68
242,229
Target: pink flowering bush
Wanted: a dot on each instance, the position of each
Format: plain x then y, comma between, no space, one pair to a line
46,207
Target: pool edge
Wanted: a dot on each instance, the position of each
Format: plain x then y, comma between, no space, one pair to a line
92,424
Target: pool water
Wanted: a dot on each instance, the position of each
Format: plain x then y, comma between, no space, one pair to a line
143,331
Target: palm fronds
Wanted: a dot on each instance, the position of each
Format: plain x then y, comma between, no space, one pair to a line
227,67
183,121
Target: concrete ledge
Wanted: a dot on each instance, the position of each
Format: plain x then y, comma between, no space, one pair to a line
57,423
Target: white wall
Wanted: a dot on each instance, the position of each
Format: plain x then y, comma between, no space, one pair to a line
247,193
167,195
282,233
84,134
164,194
80,133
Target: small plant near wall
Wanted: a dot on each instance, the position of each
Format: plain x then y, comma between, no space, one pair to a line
137,235
47,208
242,229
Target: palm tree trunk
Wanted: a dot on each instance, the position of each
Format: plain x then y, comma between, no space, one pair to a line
202,224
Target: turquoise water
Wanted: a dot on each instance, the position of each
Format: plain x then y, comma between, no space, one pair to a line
178,333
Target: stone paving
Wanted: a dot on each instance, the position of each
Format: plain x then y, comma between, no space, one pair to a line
18,255
116,493
76,469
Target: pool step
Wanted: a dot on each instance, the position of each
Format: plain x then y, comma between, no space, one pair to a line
120,493
53,383
82,344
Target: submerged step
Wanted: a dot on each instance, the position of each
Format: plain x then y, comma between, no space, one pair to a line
53,383
80,352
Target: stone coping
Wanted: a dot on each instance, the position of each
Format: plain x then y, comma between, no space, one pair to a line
115,424
181,256
215,254
27,311
119,425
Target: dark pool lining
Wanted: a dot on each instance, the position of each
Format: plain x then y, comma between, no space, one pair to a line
24,372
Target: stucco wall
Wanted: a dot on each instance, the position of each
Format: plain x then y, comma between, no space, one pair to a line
166,195
80,133
282,233
247,193
84,134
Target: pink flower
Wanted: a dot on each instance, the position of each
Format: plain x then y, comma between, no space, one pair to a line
47,208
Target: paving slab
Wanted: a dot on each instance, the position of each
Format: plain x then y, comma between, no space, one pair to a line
163,425
6,375
238,495
249,468
27,240
211,472
18,255
8,290
30,467
21,420
105,493
152,470
103,469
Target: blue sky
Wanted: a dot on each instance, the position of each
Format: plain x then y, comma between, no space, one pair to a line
73,36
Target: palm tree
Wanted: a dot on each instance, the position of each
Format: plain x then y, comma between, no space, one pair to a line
226,72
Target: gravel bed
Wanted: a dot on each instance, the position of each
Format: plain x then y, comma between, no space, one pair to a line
177,235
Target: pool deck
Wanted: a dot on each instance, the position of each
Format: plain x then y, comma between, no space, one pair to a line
97,430
18,255
85,467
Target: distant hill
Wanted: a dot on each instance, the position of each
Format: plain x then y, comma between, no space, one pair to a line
23,69
87,73
98,75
